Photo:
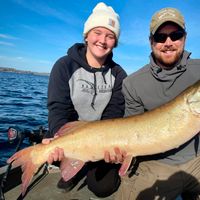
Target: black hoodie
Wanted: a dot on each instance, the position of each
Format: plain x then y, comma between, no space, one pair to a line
77,91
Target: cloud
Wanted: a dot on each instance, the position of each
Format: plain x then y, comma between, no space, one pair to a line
46,62
6,43
5,36
19,58
43,8
11,58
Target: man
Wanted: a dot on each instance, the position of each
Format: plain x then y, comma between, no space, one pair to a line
170,71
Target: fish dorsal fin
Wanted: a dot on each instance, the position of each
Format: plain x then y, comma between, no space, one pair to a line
70,167
69,127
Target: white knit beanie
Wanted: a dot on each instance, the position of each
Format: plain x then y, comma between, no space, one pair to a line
104,16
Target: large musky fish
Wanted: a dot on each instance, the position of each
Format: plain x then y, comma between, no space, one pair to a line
156,131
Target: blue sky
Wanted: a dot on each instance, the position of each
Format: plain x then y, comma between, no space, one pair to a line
35,33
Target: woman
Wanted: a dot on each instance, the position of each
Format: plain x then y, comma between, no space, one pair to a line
85,85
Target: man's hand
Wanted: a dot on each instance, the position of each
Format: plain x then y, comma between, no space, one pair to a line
119,156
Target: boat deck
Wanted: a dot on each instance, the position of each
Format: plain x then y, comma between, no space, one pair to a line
46,189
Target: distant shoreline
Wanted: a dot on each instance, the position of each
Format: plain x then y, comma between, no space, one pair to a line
8,69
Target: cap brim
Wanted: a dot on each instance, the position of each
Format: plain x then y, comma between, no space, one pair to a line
167,20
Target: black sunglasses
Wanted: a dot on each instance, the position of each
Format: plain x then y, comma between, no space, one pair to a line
162,37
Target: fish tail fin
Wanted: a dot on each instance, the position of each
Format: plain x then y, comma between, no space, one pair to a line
23,158
70,167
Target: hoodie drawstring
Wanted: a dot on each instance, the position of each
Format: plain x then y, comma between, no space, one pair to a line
104,79
95,92
196,144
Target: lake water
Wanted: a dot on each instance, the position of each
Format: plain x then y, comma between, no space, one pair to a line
23,103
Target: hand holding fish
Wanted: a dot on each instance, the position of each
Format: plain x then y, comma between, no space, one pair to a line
116,158
58,153
119,156
67,166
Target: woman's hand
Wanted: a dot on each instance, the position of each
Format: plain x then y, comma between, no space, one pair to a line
57,154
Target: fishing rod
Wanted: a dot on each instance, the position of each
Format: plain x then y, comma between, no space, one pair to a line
16,134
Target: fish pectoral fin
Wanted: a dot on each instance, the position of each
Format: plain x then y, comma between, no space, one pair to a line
70,167
125,165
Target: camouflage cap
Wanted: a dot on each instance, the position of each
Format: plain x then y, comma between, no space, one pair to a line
165,15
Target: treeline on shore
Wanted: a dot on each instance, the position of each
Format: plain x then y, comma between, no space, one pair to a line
9,69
